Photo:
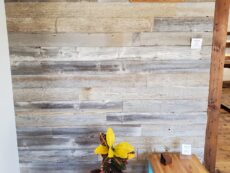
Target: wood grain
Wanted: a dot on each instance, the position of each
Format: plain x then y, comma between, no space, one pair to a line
18,40
222,160
102,55
216,81
179,163
187,24
81,67
98,67
111,93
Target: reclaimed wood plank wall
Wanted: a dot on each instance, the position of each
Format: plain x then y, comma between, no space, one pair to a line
80,67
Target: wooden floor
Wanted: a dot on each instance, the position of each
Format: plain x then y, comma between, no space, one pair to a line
223,153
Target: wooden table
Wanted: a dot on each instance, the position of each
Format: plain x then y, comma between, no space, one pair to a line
180,164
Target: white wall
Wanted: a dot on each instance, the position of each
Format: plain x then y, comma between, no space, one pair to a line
8,143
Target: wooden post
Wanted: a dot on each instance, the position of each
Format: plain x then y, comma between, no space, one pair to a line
216,81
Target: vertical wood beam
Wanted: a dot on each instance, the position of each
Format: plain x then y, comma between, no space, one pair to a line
216,81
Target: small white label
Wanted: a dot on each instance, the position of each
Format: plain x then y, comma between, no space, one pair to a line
196,43
186,149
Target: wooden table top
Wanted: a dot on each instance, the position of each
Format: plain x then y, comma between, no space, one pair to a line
180,164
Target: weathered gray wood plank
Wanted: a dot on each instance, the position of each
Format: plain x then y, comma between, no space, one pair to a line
186,79
165,106
175,130
46,94
70,81
80,24
47,105
184,24
56,119
110,106
79,131
46,119
98,67
57,156
108,53
99,10
115,93
106,39
101,25
121,80
157,118
71,142
124,10
195,9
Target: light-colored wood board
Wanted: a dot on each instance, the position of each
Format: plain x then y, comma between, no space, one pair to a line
123,25
174,38
80,24
115,93
124,10
174,130
163,119
107,39
178,79
79,132
46,94
165,106
226,75
70,81
195,9
225,99
71,142
121,80
97,10
104,106
183,24
54,156
105,67
108,53
31,25
59,120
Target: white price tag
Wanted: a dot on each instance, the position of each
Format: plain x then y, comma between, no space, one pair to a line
186,149
196,43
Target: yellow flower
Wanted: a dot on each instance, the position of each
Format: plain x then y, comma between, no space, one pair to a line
123,150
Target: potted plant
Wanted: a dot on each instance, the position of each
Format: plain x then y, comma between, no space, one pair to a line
114,157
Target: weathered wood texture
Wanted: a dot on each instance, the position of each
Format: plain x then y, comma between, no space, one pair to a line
216,81
79,68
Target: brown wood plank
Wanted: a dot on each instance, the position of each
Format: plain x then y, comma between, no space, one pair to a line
216,78
179,164
223,159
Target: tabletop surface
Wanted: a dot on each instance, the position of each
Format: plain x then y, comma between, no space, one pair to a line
180,164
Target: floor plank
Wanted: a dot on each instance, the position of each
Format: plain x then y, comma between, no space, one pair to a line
223,152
